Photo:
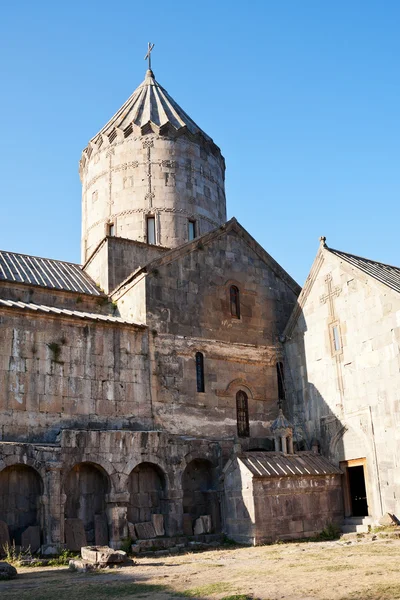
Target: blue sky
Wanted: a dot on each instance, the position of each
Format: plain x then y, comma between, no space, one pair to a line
302,96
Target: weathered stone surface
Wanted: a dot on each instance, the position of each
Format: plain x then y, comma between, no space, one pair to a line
387,520
4,536
187,524
145,531
75,536
7,571
31,538
199,526
81,566
132,532
207,523
102,555
158,524
100,530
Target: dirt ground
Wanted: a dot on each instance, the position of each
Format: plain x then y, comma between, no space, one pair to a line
338,570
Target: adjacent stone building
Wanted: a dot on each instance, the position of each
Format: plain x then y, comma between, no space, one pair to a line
145,381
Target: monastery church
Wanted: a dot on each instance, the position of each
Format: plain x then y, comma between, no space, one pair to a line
179,383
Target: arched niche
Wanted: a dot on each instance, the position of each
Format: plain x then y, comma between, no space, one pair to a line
21,488
200,495
86,487
146,486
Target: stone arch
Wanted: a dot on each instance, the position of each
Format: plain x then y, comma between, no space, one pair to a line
86,487
200,491
236,384
21,489
146,486
157,462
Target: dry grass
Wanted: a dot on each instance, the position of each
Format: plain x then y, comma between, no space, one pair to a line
363,570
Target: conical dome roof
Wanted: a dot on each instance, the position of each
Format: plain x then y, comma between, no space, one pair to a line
150,109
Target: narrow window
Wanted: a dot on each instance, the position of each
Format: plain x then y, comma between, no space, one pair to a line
200,371
111,229
242,411
235,301
336,338
281,385
151,230
191,230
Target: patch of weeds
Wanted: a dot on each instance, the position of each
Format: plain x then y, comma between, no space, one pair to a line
102,301
205,590
227,541
126,544
55,349
62,560
330,532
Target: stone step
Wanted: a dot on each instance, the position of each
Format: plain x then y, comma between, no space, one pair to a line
356,524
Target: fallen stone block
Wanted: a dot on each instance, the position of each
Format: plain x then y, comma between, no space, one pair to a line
80,566
199,526
75,536
158,524
102,555
7,571
145,531
30,538
388,520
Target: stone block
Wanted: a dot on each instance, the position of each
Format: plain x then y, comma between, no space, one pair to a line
145,531
100,530
187,524
75,536
80,566
4,536
31,538
207,521
102,555
158,524
199,526
132,532
387,520
7,571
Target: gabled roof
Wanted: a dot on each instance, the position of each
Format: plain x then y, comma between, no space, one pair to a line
276,464
185,249
52,310
386,274
46,272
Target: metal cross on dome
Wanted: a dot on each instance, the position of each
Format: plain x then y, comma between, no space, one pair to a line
150,47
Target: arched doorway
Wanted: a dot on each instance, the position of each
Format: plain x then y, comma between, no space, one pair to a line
146,486
20,491
86,487
200,496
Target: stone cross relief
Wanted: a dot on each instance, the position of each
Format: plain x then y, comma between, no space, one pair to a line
330,295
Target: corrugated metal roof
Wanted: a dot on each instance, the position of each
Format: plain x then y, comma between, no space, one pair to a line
386,274
64,311
277,464
46,272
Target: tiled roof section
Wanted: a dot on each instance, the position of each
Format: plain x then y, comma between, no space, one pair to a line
46,272
386,274
150,104
41,308
277,464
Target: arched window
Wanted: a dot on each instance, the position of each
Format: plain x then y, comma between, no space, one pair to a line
281,384
200,371
242,411
235,301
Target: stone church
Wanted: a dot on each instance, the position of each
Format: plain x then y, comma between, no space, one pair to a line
180,376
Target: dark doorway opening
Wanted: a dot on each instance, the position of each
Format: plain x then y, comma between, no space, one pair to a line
358,492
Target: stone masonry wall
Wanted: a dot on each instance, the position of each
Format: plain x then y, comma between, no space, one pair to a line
63,372
350,400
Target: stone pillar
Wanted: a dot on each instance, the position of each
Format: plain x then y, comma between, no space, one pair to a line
52,510
173,512
117,509
290,445
277,445
284,448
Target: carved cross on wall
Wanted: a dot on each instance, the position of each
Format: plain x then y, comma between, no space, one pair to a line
332,293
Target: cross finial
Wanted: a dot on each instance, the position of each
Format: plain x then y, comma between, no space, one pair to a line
150,47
